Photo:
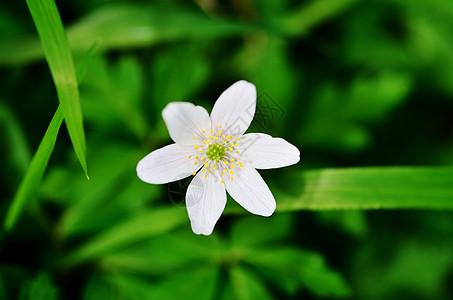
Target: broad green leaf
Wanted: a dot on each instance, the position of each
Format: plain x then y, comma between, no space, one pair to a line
255,230
125,26
369,188
373,98
178,73
58,55
41,288
99,288
418,266
326,125
194,283
181,249
92,204
139,228
291,268
247,285
35,172
116,91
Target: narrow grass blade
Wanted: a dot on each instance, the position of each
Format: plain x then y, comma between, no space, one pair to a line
35,171
132,231
58,55
370,188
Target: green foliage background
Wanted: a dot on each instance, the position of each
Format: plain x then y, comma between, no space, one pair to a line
363,88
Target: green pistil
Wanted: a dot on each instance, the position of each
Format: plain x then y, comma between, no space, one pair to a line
216,152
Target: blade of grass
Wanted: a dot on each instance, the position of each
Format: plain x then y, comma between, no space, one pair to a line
370,188
136,229
35,171
58,55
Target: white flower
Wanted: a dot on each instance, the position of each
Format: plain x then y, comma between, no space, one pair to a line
227,157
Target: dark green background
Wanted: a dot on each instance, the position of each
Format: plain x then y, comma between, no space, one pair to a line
350,83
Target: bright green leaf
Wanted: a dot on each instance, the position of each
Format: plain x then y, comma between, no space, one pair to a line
369,188
247,285
139,228
58,55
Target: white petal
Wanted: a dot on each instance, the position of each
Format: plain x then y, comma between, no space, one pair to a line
205,200
265,152
249,190
167,164
235,108
185,120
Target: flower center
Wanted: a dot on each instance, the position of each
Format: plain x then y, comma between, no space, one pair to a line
216,152
219,153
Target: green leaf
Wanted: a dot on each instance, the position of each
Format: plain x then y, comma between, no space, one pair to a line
35,172
170,253
246,285
195,283
369,188
124,26
116,90
373,98
58,55
301,20
255,230
85,62
14,135
40,288
178,73
352,222
134,230
291,268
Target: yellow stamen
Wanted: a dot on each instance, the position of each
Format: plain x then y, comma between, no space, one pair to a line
215,167
231,178
201,150
231,172
221,181
194,173
195,163
189,156
232,160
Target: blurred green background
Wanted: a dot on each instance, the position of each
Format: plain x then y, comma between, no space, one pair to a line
350,83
